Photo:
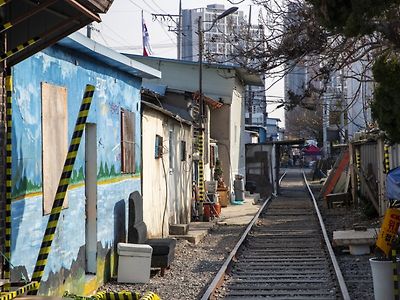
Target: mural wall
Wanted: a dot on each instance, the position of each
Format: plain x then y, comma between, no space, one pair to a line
114,90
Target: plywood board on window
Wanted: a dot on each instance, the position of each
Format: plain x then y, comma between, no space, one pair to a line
127,142
54,140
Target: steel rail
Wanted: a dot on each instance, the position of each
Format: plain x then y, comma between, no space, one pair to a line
220,275
281,178
342,284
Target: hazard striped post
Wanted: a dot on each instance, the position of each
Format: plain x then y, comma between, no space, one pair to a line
150,296
62,187
19,291
123,295
3,2
201,166
386,158
7,249
19,48
395,275
358,166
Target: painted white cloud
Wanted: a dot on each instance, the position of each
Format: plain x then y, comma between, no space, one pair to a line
24,99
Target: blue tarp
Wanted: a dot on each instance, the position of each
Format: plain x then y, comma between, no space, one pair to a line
393,184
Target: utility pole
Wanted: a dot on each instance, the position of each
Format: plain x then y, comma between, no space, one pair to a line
343,105
250,93
178,55
325,124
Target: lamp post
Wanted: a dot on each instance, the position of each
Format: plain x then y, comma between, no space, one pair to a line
201,97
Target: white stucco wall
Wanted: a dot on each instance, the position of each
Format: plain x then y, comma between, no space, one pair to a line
178,176
237,134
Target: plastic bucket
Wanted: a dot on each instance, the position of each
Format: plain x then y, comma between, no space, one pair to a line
382,277
207,212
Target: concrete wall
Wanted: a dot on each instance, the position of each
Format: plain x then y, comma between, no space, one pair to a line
237,144
220,131
65,269
159,175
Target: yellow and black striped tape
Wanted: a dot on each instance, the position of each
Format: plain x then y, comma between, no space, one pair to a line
3,2
22,290
201,166
19,48
395,275
386,158
123,295
150,296
62,186
358,165
7,249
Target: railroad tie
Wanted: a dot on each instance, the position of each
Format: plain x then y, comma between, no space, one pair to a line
62,187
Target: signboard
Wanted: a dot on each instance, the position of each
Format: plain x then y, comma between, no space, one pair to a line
388,232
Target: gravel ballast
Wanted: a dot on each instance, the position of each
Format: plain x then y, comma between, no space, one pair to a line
193,268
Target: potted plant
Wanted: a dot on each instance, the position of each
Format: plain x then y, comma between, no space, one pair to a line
382,264
222,190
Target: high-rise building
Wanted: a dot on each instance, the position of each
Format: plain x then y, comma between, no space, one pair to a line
216,40
223,44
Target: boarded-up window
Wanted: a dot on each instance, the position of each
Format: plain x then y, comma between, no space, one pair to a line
183,151
54,140
127,142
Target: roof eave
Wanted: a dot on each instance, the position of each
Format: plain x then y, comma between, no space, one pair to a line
81,43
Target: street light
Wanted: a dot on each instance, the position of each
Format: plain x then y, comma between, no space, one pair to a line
201,97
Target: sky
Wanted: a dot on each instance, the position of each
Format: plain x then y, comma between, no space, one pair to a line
121,27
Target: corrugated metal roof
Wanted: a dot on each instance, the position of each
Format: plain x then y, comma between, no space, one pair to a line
244,74
35,25
174,112
159,89
82,44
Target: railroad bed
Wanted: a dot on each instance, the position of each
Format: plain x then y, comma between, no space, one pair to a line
284,255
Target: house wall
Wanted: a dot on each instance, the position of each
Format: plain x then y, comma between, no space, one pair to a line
237,144
65,270
220,131
160,175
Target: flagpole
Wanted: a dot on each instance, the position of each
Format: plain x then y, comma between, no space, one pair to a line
143,34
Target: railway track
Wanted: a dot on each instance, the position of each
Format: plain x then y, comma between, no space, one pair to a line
283,253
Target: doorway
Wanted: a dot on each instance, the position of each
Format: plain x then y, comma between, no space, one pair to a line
91,197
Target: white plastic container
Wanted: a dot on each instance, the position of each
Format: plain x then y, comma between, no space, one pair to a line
134,261
382,277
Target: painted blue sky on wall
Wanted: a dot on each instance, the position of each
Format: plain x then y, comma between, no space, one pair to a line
61,67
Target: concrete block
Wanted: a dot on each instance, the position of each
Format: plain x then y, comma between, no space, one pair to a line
333,200
358,241
178,229
194,237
